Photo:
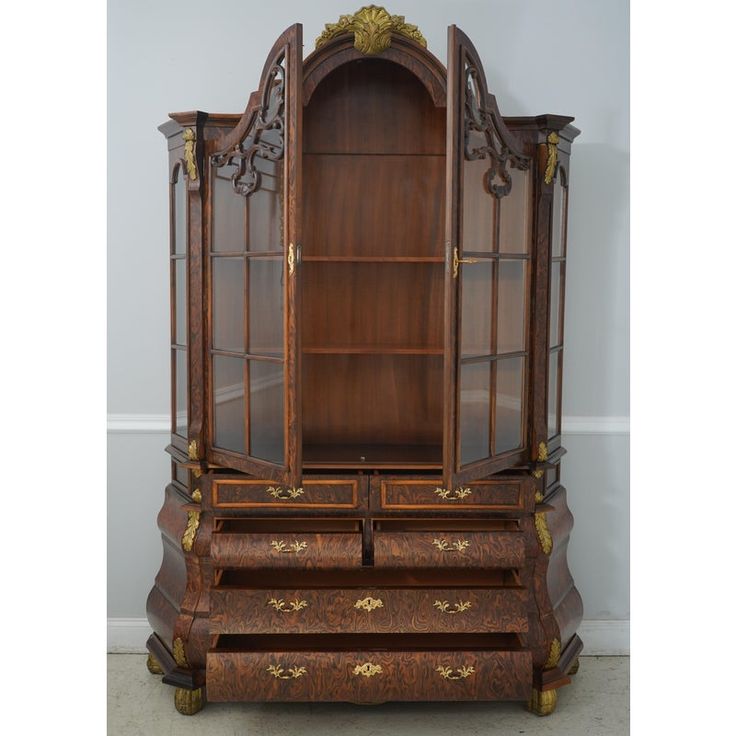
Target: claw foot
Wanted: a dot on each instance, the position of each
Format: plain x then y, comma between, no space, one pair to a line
543,702
189,702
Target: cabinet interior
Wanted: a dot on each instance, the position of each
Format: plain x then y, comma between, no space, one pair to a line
373,269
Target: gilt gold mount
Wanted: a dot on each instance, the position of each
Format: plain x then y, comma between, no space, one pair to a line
545,538
190,533
284,494
447,494
549,173
189,158
542,702
444,606
372,27
188,702
280,605
278,672
178,652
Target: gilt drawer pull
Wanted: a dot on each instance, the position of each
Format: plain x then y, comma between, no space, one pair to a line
443,545
462,672
278,671
444,606
368,669
447,494
280,546
368,604
284,494
280,605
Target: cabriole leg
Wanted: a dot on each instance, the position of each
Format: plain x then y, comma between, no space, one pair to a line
153,666
543,702
189,702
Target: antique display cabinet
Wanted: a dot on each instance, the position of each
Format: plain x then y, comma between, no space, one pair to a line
367,281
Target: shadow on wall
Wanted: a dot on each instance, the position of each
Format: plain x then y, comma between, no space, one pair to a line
597,300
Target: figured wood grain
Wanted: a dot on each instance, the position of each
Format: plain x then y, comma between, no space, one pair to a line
421,494
329,676
324,494
316,611
257,550
418,549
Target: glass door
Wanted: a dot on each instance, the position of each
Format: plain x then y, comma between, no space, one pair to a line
253,369
487,278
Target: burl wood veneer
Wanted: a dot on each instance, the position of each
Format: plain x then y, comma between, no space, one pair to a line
367,301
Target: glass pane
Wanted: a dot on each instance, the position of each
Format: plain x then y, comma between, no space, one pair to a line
267,410
180,393
228,212
551,477
266,306
475,318
180,213
229,403
475,411
265,216
559,207
509,402
227,304
553,403
511,306
515,220
554,305
477,214
180,301
181,474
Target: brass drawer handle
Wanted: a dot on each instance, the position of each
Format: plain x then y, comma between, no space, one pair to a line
295,547
278,672
460,606
368,604
280,605
368,669
443,545
447,494
462,672
284,494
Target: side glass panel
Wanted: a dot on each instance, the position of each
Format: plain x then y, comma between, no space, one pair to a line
229,403
179,304
557,303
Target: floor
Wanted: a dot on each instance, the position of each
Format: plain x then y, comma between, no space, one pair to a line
596,704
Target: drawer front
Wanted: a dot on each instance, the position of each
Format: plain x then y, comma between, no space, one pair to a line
254,494
368,677
450,549
318,611
489,495
279,549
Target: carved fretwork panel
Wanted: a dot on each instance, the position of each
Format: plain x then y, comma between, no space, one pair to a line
264,138
482,136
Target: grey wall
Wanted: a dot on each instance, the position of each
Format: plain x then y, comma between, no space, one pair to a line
567,57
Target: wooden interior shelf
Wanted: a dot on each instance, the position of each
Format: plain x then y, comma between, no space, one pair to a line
370,350
372,259
373,456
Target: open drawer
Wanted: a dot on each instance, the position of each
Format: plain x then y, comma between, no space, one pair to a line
497,543
279,543
368,601
368,669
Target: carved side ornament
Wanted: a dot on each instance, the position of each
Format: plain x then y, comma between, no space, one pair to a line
372,27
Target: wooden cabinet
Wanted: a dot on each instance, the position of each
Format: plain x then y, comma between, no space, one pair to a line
367,288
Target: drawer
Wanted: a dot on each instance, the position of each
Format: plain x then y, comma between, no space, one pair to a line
259,494
501,545
307,610
250,544
363,675
487,495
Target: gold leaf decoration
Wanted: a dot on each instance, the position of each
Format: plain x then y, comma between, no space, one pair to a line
192,450
187,541
372,27
555,650
549,173
197,495
545,539
542,452
178,651
189,159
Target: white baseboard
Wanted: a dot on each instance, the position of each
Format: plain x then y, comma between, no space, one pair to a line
160,424
603,638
